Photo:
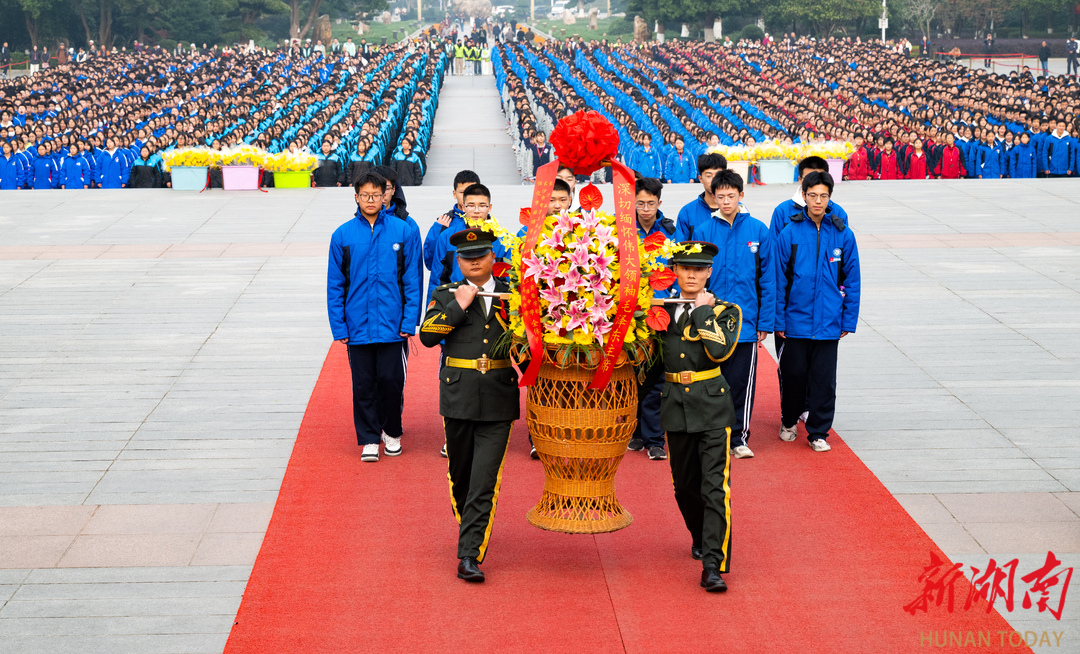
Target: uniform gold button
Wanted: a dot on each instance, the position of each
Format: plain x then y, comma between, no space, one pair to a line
721,391
447,379
485,340
686,388
682,356
487,326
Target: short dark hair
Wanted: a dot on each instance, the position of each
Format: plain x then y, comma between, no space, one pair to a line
561,185
726,179
813,162
466,177
649,185
369,178
562,168
478,190
817,178
387,173
710,161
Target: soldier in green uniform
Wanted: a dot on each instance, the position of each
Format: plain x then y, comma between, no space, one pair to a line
478,394
697,412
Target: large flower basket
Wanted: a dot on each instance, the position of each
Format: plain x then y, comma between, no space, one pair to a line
581,313
581,436
301,179
189,178
776,171
836,169
240,178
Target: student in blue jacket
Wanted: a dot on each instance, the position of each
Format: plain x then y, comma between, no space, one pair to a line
453,219
74,170
818,285
991,159
44,170
373,301
681,167
1059,152
742,273
10,169
113,166
647,160
1023,159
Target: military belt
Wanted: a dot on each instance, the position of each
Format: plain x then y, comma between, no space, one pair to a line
689,377
483,364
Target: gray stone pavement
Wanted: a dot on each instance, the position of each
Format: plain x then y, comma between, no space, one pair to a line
470,133
158,350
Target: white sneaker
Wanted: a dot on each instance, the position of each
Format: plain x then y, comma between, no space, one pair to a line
788,433
742,452
819,445
442,452
370,453
391,445
803,416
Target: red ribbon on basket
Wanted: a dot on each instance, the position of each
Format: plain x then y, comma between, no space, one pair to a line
530,291
629,273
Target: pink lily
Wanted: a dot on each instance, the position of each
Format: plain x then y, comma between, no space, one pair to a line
533,266
573,280
565,223
594,283
589,220
580,257
604,235
553,296
578,316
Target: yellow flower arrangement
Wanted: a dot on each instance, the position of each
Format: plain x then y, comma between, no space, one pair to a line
243,155
795,152
290,162
182,157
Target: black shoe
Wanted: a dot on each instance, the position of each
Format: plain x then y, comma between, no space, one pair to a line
710,579
657,453
695,553
469,570
636,445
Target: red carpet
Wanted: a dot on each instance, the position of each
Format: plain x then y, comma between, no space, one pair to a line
361,557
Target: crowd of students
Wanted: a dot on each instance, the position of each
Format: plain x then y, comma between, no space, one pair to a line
909,118
105,122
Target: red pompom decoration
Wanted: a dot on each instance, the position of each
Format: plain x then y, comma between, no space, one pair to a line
590,198
662,279
658,319
583,141
654,241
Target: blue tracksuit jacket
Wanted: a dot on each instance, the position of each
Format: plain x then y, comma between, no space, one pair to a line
818,280
742,271
1023,161
680,170
372,280
1059,155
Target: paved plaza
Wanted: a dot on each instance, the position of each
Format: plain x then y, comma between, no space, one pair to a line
158,348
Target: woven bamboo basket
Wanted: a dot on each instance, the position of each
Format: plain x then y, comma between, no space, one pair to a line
581,437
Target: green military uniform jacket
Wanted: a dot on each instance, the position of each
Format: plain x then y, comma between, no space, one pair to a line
708,337
469,394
